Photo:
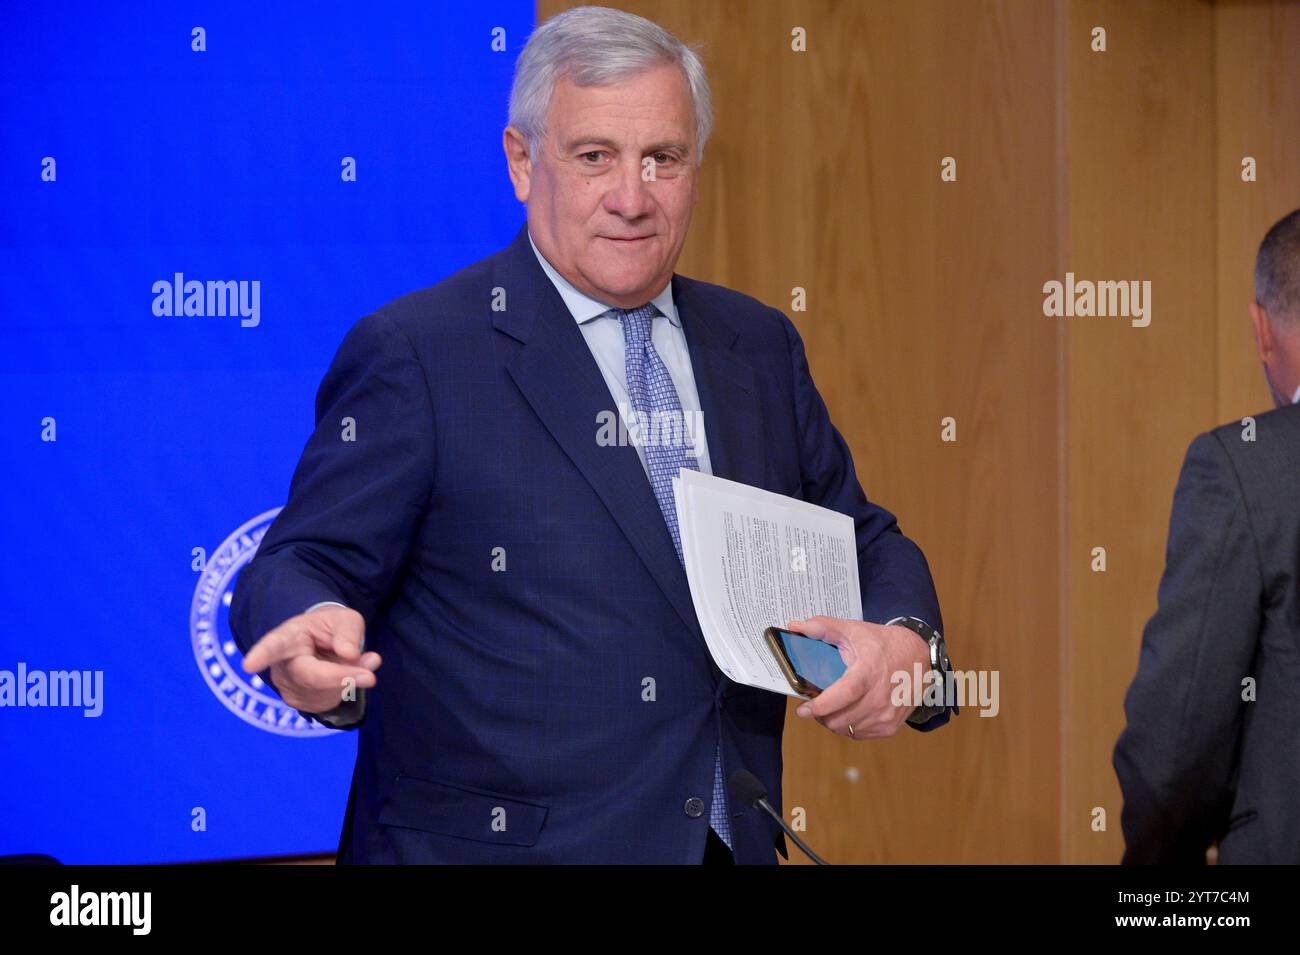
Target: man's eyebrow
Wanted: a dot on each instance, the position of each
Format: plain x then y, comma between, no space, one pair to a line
577,141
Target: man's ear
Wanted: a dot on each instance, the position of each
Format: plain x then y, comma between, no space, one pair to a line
518,161
1264,343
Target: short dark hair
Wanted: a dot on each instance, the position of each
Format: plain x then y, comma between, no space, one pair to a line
1277,270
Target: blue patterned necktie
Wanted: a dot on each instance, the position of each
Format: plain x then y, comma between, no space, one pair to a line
662,427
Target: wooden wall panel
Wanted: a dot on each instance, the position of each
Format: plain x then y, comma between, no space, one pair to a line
1141,184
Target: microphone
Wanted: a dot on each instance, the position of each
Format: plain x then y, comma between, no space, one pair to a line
748,791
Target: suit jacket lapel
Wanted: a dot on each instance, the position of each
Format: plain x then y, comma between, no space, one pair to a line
728,396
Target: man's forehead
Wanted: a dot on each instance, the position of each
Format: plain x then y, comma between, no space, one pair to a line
648,109
617,127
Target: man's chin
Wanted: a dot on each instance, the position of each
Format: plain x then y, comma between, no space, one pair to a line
622,286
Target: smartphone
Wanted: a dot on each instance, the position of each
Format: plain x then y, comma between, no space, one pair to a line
809,665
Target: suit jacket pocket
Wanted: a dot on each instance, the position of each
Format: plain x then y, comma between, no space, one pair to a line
453,810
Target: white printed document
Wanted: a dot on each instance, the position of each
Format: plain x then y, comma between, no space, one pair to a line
755,559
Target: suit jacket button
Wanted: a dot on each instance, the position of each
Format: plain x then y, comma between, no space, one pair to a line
694,807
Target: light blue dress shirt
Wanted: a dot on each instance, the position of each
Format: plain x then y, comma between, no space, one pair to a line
604,335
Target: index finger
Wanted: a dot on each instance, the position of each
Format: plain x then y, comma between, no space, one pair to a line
282,643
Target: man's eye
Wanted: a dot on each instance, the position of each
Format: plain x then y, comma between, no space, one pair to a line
664,158
596,153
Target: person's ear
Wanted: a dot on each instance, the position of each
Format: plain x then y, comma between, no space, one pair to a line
518,161
1264,344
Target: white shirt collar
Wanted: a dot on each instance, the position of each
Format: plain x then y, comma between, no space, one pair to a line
584,308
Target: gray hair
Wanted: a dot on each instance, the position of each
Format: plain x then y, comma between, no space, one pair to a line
1277,272
597,46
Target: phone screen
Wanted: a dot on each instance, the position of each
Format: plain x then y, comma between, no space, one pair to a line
817,662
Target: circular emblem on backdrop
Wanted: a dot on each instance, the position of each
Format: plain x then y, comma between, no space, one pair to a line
219,658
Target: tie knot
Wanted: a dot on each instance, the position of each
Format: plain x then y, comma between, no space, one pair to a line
636,323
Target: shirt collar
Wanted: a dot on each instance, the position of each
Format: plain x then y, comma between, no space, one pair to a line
584,308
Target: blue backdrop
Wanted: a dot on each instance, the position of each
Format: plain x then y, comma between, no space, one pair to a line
132,436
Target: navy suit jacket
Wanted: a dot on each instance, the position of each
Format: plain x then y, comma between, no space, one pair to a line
566,708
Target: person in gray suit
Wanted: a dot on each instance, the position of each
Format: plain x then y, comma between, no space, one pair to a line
1211,750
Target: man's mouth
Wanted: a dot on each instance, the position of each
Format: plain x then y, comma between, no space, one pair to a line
627,239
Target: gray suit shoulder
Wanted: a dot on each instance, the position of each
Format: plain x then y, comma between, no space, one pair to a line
1267,442
1260,456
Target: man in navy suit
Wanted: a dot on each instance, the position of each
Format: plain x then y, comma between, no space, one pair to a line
546,693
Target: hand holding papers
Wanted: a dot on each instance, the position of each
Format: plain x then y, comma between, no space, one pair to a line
756,559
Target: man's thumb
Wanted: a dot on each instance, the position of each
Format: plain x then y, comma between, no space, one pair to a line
817,627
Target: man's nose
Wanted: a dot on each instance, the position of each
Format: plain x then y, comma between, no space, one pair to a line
629,194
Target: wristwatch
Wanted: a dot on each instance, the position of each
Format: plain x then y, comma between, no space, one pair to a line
938,661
